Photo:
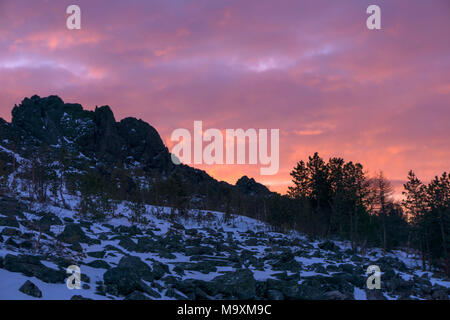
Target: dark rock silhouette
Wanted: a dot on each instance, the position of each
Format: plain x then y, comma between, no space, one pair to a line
96,140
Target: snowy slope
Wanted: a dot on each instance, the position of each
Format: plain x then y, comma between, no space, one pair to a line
199,256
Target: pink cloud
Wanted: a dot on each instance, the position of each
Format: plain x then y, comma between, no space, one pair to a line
309,68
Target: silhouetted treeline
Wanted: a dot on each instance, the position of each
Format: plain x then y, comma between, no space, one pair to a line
336,198
428,207
327,199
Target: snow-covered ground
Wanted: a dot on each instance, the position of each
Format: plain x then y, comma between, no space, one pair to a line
202,246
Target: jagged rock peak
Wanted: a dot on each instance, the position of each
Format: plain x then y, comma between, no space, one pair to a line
250,186
96,134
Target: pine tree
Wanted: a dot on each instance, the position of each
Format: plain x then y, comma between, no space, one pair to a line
415,204
439,203
382,197
300,179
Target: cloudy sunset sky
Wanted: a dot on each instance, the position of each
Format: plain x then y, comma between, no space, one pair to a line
309,68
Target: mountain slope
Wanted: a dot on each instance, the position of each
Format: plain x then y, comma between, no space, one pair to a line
48,127
75,188
199,256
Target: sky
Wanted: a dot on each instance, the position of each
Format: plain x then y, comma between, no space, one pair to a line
311,69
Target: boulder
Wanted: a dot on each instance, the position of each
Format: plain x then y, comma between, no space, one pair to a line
96,254
76,247
9,222
239,284
136,295
347,267
11,232
375,294
336,282
31,266
31,289
136,265
78,297
159,269
47,221
11,242
386,263
12,208
399,286
127,243
328,245
99,264
121,281
73,233
132,230
440,293
144,244
274,295
335,295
